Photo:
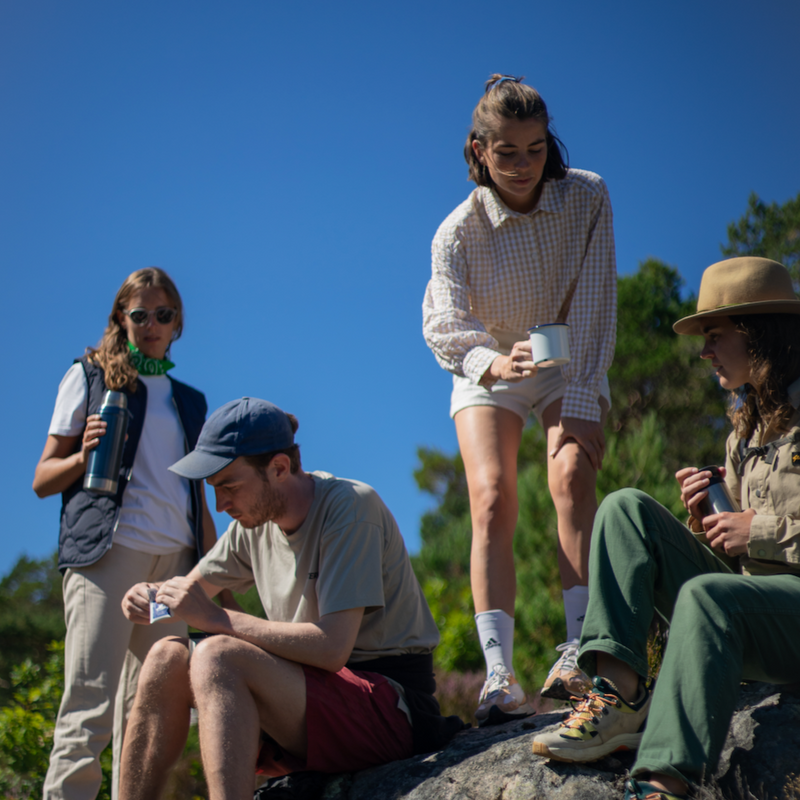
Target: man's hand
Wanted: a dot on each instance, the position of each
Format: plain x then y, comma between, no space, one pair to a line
729,532
513,367
588,434
188,601
136,603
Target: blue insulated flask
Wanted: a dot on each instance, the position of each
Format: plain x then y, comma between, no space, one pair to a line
102,471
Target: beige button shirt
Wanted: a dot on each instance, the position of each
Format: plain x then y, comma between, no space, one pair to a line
770,485
497,273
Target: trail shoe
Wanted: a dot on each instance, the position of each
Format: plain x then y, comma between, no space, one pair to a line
599,724
641,790
566,679
502,699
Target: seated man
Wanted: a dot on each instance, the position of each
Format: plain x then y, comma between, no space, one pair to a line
731,592
337,678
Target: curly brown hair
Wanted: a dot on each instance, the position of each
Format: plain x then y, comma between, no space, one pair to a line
506,97
773,351
112,352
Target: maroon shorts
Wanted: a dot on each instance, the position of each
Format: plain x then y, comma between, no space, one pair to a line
353,722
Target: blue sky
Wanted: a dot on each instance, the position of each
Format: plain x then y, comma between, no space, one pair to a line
288,165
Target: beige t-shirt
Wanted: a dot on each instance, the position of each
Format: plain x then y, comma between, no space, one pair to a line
348,553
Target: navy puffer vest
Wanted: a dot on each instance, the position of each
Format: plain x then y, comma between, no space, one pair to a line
88,520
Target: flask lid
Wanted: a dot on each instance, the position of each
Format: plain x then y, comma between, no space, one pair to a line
118,399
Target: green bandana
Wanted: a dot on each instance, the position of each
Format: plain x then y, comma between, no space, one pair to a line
146,365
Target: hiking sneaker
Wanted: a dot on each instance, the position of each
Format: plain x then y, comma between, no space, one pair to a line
566,679
642,790
599,724
502,699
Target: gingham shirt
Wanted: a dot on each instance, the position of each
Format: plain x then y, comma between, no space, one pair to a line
497,273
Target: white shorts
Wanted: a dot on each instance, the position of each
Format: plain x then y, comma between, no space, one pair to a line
530,394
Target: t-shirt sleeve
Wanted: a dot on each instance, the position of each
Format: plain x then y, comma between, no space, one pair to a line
351,569
228,563
69,415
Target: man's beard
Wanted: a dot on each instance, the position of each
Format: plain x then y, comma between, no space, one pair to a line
270,505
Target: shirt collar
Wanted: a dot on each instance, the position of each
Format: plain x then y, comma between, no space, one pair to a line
498,212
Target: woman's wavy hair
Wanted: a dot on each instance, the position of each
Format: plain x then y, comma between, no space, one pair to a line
112,351
773,351
506,97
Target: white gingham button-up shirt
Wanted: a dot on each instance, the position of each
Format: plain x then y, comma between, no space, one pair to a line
497,273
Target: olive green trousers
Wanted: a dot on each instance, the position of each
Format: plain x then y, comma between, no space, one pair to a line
724,628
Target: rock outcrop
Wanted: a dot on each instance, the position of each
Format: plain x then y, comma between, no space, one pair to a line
763,750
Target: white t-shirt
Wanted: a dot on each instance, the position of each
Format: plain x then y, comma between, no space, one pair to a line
156,506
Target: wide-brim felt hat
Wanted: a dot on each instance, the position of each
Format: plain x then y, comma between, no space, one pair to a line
746,285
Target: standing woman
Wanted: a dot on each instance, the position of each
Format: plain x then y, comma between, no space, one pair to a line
504,261
154,528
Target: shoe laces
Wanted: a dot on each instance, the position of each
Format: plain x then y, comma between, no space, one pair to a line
498,679
589,707
570,657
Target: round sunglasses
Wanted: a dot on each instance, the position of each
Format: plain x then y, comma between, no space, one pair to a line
141,316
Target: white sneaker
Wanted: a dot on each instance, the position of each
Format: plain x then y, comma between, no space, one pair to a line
566,679
502,699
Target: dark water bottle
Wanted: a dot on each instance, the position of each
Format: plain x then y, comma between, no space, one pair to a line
719,497
102,471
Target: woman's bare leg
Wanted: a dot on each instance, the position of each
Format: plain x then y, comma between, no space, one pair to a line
489,440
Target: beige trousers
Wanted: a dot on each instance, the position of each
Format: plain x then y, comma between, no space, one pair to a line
103,655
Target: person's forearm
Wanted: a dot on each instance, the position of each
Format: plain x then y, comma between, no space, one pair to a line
303,642
57,474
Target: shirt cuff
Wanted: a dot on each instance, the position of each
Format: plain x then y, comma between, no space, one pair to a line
581,403
762,544
477,361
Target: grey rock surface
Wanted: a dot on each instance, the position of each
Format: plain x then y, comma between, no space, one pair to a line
496,763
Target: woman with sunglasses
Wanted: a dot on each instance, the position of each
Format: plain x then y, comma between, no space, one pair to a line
154,528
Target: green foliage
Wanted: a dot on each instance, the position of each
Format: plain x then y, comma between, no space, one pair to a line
31,615
771,231
26,727
655,370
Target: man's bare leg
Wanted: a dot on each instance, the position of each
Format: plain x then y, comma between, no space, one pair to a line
159,722
241,690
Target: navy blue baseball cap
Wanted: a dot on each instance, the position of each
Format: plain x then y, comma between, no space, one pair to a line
246,427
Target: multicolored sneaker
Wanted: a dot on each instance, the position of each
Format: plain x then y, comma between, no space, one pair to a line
566,679
642,790
598,725
502,699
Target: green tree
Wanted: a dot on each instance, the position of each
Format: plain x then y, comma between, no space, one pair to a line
26,727
31,615
656,370
771,231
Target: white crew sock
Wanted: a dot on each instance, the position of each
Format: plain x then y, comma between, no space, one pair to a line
496,635
576,600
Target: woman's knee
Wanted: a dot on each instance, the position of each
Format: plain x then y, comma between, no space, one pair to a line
493,501
624,514
571,477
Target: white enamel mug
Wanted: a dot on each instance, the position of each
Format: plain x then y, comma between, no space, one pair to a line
550,344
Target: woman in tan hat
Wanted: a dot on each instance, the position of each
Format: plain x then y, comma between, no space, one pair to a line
731,591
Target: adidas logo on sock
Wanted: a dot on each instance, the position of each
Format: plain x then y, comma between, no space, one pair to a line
491,643
581,617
